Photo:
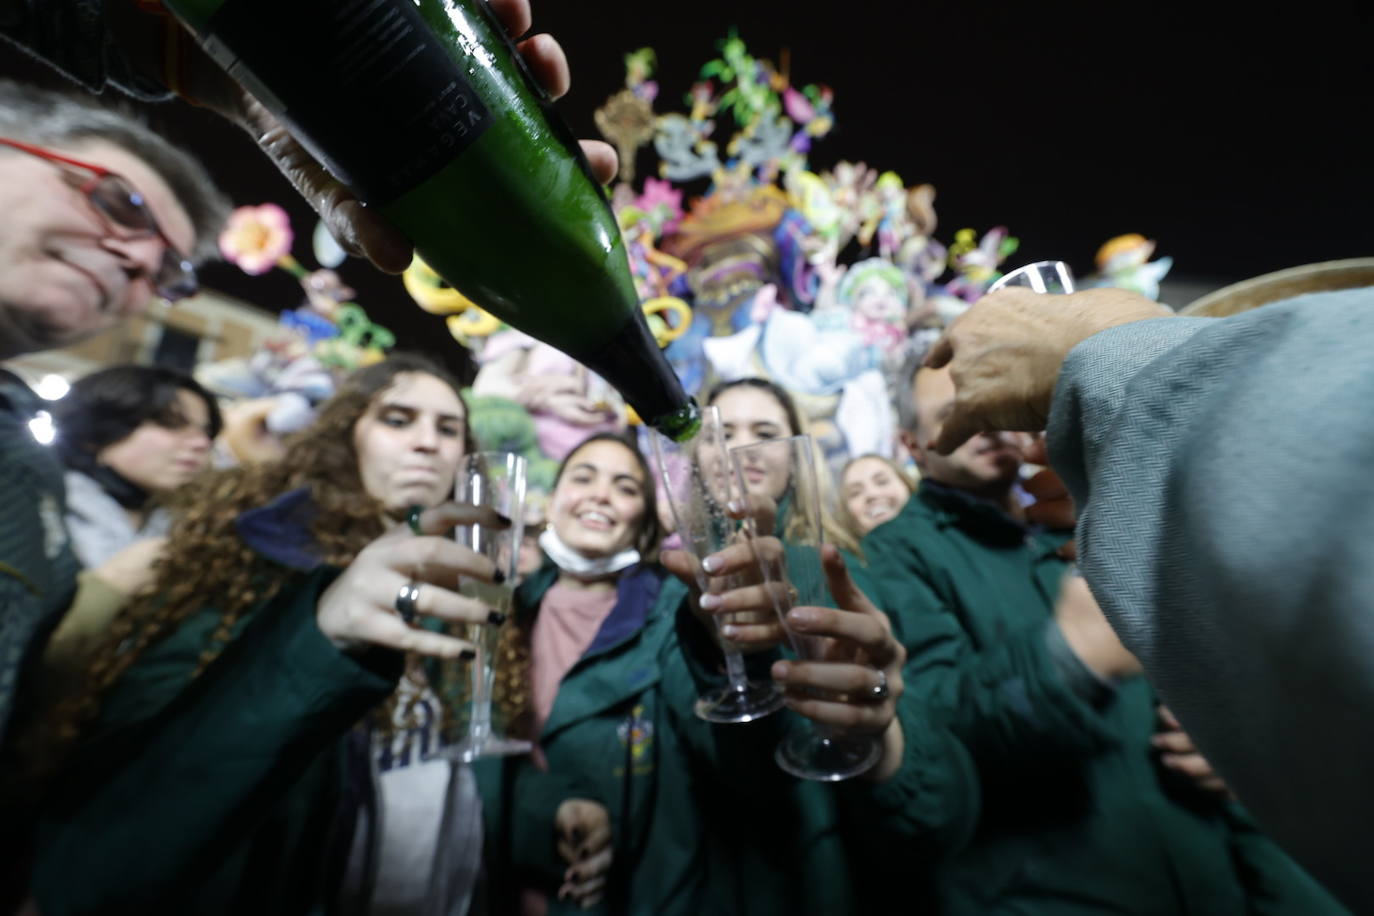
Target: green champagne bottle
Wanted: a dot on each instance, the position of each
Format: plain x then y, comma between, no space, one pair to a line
425,110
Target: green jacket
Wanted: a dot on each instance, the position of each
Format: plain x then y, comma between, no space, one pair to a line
37,583
1077,815
224,793
37,566
703,821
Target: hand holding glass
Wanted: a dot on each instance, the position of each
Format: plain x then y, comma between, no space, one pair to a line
783,471
495,479
697,479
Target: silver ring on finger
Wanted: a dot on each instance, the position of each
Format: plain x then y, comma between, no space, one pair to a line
878,692
406,598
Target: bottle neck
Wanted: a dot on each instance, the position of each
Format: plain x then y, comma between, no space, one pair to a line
631,361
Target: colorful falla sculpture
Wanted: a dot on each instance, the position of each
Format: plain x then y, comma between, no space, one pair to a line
750,263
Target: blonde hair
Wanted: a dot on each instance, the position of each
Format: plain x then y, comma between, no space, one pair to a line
845,516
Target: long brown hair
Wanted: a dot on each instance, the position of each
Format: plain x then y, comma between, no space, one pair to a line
207,563
835,532
512,691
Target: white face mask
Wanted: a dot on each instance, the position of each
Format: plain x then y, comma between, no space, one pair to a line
575,564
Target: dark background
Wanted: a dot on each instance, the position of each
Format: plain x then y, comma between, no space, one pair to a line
1240,142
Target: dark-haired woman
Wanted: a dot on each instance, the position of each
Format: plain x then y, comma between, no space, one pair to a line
129,436
584,671
217,768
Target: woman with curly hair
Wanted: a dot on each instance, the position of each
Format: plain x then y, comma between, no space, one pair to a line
211,769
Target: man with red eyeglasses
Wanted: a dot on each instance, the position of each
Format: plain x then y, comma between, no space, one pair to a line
92,233
98,217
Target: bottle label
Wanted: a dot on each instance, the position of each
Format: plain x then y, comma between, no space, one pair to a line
365,85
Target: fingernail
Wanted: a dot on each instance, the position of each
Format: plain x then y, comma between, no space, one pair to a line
504,520
781,670
495,618
467,655
729,631
498,577
735,505
801,615
712,564
710,602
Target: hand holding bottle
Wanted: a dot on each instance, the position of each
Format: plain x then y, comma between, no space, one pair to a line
361,231
431,116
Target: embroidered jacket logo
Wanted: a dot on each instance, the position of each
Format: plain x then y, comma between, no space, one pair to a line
637,732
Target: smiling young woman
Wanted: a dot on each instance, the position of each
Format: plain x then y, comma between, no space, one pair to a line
872,491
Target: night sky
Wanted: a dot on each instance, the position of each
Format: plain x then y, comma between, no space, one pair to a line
1241,144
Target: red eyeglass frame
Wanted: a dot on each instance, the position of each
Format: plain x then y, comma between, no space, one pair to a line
172,259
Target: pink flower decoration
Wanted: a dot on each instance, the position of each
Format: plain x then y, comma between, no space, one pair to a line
661,194
256,238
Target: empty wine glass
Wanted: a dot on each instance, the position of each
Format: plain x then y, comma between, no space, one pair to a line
783,472
495,479
696,478
1039,277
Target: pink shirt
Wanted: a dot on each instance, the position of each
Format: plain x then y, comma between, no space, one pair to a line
568,621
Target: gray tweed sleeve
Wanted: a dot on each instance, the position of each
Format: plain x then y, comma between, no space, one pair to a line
1222,473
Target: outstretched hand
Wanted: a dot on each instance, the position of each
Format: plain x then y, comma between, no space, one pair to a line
1004,355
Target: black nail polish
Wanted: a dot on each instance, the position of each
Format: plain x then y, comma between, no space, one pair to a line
498,577
504,519
496,618
467,655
